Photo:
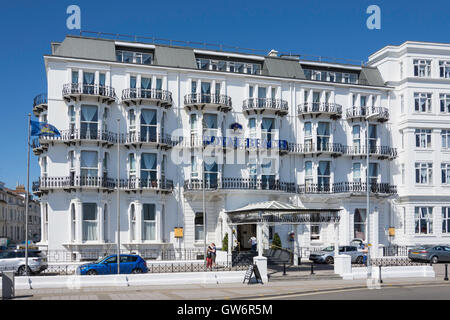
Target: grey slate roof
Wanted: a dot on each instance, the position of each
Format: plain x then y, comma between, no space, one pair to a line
371,76
278,67
97,49
175,57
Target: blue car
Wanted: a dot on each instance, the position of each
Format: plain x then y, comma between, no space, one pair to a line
129,263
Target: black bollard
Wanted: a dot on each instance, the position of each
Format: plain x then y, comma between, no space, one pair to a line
284,269
381,280
312,268
446,273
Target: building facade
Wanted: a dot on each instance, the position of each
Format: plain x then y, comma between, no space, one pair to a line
12,215
179,131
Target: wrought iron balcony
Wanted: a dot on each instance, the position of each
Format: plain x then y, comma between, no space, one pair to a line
75,91
199,100
134,184
193,185
70,182
333,110
75,135
382,152
239,184
379,114
280,107
161,97
40,103
37,147
333,149
136,138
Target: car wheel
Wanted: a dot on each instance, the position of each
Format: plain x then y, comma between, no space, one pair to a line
434,259
91,272
137,270
21,271
359,260
329,260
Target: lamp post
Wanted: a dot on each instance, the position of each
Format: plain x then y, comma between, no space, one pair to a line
118,196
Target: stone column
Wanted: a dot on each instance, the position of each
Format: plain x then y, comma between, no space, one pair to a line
296,245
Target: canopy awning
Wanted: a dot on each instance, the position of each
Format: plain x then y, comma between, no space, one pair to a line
275,212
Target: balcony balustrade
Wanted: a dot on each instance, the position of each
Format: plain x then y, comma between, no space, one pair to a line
334,149
200,100
333,110
71,182
40,103
74,135
74,91
279,106
289,187
137,138
138,96
379,114
382,152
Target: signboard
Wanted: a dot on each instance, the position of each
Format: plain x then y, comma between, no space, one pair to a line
178,232
252,269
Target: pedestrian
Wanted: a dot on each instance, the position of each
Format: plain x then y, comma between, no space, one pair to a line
208,257
213,253
253,242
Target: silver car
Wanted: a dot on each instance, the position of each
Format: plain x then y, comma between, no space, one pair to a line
327,254
14,260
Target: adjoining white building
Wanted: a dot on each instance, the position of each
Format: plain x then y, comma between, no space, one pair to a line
295,129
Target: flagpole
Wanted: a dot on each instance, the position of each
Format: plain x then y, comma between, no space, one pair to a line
27,195
118,196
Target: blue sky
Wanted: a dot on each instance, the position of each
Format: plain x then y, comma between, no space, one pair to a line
329,28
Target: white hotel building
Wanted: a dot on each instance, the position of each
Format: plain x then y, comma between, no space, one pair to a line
301,128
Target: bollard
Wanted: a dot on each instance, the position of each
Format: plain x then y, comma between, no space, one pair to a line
284,269
446,273
379,269
312,268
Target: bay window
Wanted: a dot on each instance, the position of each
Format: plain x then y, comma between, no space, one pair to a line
356,133
323,136
267,174
148,125
422,102
267,127
360,224
146,86
308,139
356,170
89,122
373,174
308,174
323,176
444,69
444,100
422,68
88,82
90,231
148,170
373,137
210,125
445,138
89,167
210,169
149,222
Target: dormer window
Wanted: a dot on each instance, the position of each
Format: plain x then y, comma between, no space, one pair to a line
134,57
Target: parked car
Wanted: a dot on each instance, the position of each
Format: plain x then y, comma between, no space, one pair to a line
14,260
327,254
129,263
430,253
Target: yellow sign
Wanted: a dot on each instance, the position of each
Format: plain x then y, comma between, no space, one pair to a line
391,232
369,244
178,232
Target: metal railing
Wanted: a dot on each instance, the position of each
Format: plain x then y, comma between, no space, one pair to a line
138,183
88,89
73,181
78,134
361,112
40,99
290,187
266,103
336,148
151,94
148,137
373,150
320,107
202,98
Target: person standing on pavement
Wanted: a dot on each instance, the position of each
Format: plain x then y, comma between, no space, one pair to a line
253,242
209,257
213,254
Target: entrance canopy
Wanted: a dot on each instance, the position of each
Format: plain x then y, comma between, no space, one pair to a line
275,212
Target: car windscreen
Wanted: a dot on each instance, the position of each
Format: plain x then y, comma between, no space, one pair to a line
328,249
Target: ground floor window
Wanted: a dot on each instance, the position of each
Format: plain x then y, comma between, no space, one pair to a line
423,220
199,226
90,222
149,222
359,221
445,219
315,232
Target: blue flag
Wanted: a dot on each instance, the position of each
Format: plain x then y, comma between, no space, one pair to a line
43,129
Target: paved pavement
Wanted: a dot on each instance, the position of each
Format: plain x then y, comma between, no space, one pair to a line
271,290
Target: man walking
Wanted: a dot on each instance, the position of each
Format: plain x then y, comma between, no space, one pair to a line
253,242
